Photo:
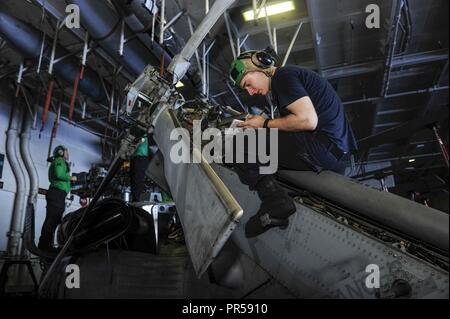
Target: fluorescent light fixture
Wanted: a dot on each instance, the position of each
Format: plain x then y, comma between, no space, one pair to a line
412,160
272,9
179,84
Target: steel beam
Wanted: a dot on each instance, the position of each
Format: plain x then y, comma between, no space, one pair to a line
402,131
180,64
376,65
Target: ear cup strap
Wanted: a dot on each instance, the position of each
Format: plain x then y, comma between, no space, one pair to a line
246,55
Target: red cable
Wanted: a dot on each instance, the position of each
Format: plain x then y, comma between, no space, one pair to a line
445,153
82,72
47,102
74,95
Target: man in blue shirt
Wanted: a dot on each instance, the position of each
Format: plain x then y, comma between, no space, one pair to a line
314,133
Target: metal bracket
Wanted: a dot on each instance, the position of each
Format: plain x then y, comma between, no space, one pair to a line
174,20
22,69
83,108
291,45
86,49
59,25
162,22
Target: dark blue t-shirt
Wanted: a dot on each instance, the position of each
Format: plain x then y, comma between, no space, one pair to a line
291,83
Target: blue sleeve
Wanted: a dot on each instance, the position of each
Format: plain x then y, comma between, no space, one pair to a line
287,88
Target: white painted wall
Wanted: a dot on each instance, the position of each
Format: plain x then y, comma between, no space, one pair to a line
84,149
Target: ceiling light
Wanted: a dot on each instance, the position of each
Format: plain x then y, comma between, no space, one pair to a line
412,160
272,9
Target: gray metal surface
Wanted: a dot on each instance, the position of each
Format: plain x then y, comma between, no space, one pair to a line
415,220
207,210
317,257
155,171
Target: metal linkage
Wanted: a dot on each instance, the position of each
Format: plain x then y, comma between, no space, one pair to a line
269,29
275,41
197,56
180,64
22,69
83,108
53,60
242,42
205,76
392,46
174,20
291,45
86,51
257,8
162,22
230,35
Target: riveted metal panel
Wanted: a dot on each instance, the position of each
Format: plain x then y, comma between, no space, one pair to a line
318,257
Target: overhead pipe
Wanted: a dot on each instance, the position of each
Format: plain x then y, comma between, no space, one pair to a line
12,154
27,40
144,12
400,94
102,23
26,154
31,203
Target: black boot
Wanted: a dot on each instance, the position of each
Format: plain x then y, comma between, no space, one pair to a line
276,207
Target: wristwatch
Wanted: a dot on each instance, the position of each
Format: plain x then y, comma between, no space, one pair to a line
266,123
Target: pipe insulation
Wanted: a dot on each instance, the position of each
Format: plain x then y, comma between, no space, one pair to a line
12,154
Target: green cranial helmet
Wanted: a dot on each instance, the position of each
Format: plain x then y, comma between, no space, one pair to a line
59,151
250,61
237,71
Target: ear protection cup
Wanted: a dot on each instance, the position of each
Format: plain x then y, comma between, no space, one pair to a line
260,59
263,60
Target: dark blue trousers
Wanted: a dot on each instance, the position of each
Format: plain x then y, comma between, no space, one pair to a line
301,151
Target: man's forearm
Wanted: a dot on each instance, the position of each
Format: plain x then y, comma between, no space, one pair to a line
290,123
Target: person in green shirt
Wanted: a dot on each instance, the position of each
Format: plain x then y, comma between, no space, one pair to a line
59,177
138,165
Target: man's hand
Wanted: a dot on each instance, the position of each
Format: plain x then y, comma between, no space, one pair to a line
302,117
253,121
